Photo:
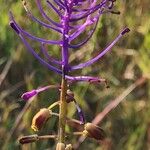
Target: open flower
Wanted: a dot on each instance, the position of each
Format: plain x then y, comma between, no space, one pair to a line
40,119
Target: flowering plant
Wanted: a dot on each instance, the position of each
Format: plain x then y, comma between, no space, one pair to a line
75,16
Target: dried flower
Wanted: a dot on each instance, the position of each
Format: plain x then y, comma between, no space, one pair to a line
40,119
93,131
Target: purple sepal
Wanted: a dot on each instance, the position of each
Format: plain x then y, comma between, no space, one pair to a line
28,95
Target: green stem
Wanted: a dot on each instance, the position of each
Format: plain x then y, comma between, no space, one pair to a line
62,111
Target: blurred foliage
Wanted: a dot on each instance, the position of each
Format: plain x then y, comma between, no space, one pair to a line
127,127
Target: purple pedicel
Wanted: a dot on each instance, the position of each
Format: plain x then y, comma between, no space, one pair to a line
80,66
37,20
73,20
80,113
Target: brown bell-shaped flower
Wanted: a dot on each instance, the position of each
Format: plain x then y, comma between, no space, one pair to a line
93,131
40,119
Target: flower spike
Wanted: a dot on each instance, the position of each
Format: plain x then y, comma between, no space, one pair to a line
74,17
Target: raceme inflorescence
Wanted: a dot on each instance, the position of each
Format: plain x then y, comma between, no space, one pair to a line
73,19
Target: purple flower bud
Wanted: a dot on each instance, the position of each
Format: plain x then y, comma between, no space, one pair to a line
26,96
30,94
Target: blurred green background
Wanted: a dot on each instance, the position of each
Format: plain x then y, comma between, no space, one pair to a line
127,127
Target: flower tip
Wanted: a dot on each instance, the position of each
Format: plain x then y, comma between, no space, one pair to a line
126,30
11,23
28,95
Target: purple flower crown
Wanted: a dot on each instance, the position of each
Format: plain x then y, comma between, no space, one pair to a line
70,12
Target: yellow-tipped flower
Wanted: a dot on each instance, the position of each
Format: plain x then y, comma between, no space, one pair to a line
40,119
93,131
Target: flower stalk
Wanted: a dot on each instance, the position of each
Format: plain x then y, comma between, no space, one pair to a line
62,112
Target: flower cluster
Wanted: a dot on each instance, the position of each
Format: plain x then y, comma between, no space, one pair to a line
74,16
70,12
